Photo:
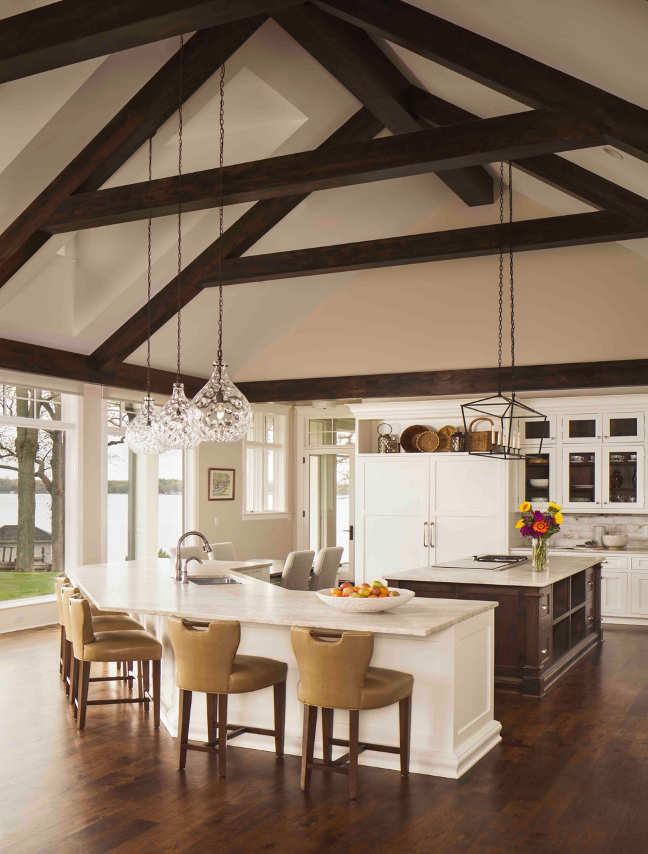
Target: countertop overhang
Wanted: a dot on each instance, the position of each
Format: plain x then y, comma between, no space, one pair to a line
518,576
147,587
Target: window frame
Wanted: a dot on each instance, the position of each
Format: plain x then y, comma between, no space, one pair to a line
260,485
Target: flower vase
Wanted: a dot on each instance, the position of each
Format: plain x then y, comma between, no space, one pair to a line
539,557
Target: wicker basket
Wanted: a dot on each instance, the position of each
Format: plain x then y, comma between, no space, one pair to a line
427,442
480,440
445,434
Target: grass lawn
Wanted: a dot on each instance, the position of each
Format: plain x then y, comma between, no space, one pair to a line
22,585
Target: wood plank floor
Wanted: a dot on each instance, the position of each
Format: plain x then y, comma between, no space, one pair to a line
571,775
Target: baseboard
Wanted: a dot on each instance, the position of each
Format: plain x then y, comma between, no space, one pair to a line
625,621
19,614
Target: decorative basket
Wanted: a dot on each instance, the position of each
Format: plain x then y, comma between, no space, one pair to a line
480,440
445,434
408,438
427,442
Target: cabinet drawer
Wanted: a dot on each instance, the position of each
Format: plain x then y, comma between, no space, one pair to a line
639,562
615,562
590,583
589,616
545,651
545,607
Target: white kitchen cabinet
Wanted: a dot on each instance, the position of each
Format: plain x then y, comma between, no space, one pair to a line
623,427
420,509
580,428
536,479
639,594
581,467
614,593
623,477
533,429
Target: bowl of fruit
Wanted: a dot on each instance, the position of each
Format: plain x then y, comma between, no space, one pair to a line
365,598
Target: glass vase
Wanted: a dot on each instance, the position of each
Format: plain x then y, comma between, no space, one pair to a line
539,557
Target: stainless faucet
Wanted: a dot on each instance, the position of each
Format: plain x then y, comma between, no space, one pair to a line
178,561
185,571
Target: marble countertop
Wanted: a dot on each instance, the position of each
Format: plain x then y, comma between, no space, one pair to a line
518,576
630,549
147,587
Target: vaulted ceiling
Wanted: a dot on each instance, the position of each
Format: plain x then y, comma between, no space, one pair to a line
289,89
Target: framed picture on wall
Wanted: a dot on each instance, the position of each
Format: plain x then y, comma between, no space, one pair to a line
221,484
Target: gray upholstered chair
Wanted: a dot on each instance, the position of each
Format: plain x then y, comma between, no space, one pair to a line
296,571
222,551
327,566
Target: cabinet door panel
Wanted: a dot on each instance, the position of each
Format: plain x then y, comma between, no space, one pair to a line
639,601
467,485
580,428
395,485
623,427
392,544
614,594
581,477
462,536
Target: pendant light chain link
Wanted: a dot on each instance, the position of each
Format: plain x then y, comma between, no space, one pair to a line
180,99
220,212
501,282
148,290
510,193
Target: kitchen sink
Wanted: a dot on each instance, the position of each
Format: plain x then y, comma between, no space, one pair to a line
221,580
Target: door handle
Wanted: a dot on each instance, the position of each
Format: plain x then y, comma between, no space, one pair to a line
432,544
349,531
425,525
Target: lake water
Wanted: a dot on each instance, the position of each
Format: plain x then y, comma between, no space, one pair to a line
169,520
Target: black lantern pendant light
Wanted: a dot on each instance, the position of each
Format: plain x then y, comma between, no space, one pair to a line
505,413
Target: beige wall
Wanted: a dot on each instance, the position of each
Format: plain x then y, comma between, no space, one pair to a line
271,538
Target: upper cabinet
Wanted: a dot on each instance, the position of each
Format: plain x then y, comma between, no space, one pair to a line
538,481
615,427
533,430
580,427
603,477
623,477
623,427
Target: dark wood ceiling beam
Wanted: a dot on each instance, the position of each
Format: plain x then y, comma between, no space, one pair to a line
496,66
434,150
549,233
356,61
238,238
75,30
147,111
560,173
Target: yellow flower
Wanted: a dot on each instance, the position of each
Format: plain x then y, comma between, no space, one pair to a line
553,506
558,518
525,507
520,523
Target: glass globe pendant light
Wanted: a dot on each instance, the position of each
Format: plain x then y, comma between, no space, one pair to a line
142,435
179,425
224,410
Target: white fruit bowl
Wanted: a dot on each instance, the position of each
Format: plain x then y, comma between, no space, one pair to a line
363,604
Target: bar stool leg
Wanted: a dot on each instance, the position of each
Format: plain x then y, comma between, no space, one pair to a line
222,735
308,746
354,731
71,660
405,719
129,673
212,700
67,666
327,735
184,715
62,655
157,671
83,693
146,679
279,717
74,686
140,681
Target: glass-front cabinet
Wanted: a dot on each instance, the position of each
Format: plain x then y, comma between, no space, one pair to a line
532,430
613,427
582,477
538,481
623,427
581,427
623,481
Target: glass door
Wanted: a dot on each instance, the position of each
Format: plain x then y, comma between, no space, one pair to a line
623,470
582,477
581,427
329,515
623,427
539,485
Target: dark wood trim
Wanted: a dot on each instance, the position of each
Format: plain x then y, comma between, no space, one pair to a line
494,65
356,61
528,235
146,111
526,134
72,31
240,237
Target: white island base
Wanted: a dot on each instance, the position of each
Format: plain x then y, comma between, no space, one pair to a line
453,722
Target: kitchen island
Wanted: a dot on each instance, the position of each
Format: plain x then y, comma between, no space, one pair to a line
447,646
545,622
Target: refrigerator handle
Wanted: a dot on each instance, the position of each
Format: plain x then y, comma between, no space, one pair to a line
425,525
432,543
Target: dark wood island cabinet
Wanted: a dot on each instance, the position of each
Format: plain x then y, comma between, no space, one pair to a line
543,623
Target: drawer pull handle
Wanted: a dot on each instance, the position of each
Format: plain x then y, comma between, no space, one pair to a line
591,583
544,651
544,607
590,619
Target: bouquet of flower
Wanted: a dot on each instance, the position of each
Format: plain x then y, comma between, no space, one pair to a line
539,525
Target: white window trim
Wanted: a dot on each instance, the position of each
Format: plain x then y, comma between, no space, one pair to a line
248,515
267,515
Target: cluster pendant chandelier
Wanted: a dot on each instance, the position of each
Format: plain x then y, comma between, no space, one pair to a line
506,413
219,412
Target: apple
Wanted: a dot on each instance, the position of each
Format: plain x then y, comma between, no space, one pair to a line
365,592
345,584
356,595
394,593
348,591
377,584
364,585
336,591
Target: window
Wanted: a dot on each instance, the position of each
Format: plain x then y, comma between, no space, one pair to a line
265,463
170,507
331,431
32,489
120,475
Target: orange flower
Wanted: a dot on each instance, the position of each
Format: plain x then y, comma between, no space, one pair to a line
540,527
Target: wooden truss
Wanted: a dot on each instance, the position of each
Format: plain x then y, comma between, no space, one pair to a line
429,135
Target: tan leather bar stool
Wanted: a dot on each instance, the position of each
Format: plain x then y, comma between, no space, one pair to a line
103,623
206,661
59,581
335,674
91,645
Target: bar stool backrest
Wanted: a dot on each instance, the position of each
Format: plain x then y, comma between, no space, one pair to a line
327,566
332,672
80,624
59,582
222,551
296,571
204,655
67,592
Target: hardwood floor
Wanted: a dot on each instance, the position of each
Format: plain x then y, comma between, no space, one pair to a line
571,775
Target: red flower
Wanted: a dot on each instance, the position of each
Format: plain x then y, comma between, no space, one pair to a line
541,527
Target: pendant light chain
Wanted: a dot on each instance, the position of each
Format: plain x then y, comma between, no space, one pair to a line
180,98
501,281
220,212
148,291
510,179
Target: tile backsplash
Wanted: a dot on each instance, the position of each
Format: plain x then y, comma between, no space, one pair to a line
580,527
